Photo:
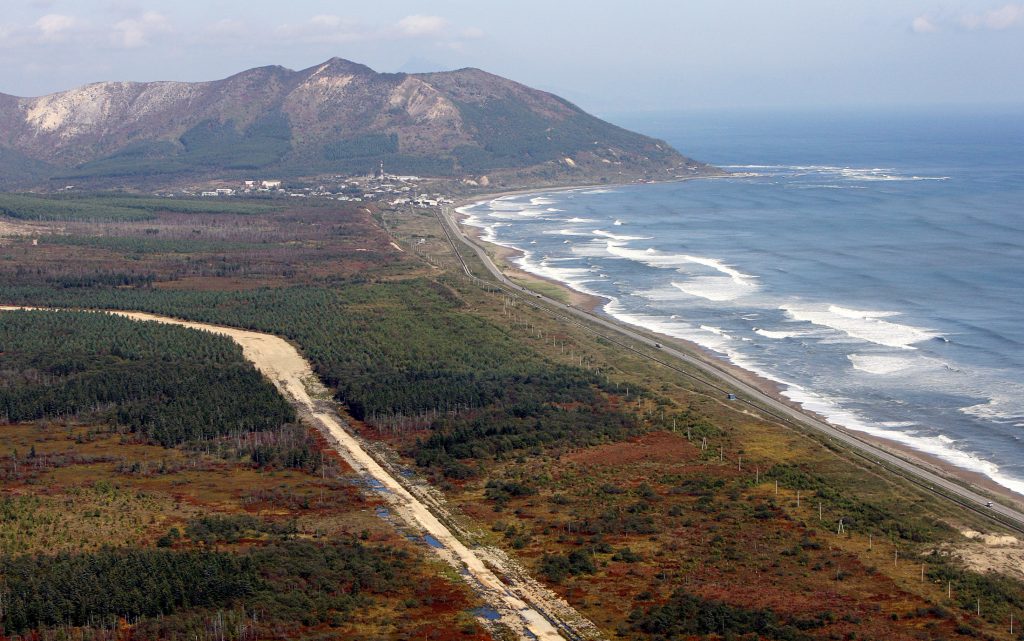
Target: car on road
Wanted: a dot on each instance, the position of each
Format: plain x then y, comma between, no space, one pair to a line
730,397
988,503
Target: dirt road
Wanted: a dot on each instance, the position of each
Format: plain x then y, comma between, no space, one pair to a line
525,606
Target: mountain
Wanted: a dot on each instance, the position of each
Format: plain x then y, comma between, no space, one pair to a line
338,117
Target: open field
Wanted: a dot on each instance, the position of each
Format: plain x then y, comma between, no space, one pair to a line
637,493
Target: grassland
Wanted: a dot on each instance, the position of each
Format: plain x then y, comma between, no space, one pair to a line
638,494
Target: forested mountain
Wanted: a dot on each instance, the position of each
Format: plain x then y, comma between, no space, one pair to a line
335,117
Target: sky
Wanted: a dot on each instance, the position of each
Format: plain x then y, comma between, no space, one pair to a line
606,56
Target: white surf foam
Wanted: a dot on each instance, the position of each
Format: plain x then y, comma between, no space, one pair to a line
576,219
863,325
854,174
939,445
618,237
715,288
780,335
655,258
668,326
727,283
717,331
881,365
997,408
564,232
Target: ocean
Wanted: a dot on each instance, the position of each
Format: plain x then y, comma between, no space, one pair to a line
871,263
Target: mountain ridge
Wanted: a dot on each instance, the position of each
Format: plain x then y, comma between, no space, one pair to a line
338,117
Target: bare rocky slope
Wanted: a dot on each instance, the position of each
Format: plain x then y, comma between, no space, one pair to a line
337,117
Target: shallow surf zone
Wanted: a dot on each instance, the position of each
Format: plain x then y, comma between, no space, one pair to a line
864,325
830,172
792,298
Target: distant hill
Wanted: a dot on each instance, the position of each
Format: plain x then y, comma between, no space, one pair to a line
338,117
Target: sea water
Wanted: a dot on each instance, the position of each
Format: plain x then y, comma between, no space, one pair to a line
873,264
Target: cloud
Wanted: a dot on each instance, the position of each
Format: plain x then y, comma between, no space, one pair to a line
54,26
322,28
923,24
328,28
418,25
999,19
133,33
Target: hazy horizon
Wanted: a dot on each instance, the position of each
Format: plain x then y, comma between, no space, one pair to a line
671,56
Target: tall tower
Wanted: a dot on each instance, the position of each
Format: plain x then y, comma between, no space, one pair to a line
380,172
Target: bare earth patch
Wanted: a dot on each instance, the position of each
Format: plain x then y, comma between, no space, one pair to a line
992,553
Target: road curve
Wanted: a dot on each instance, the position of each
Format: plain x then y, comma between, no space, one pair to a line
526,606
719,378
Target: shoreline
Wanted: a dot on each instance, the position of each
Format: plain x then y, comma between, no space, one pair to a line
774,389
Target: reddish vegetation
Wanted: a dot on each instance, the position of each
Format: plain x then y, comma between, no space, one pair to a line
656,447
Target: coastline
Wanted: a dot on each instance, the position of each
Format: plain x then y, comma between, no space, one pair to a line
774,389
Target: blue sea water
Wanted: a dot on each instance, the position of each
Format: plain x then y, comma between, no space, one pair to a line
871,263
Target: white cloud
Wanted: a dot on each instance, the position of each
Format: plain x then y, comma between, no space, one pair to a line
473,33
923,24
322,29
54,26
996,19
418,25
1005,17
137,32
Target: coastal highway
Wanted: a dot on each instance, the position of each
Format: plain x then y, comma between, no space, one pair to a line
718,378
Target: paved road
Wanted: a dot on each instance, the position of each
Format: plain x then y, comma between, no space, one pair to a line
720,379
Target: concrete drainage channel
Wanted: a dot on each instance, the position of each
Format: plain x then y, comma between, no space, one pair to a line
514,599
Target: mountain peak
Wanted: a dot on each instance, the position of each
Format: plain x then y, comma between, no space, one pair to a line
340,66
337,117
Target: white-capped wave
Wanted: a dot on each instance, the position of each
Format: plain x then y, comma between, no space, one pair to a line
576,219
618,222
717,331
855,174
938,445
668,326
565,232
654,258
619,237
715,288
727,283
779,335
575,277
998,408
541,200
863,325
879,364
